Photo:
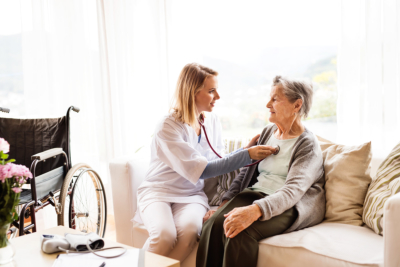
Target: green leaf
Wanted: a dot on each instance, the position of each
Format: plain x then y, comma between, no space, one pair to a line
9,161
4,156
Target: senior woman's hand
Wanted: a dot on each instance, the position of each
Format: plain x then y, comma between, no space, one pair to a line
239,219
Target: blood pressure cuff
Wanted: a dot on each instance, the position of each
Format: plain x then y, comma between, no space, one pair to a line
78,242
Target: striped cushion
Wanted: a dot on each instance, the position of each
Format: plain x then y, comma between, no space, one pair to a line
385,184
225,180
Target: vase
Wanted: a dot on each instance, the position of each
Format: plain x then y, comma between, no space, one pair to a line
6,249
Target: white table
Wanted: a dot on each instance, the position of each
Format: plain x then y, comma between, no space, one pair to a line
28,252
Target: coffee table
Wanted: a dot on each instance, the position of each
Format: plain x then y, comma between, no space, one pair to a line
28,252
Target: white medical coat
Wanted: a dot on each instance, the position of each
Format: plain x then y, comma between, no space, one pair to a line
177,162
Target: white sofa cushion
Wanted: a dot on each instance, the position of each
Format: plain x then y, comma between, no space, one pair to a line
359,245
300,257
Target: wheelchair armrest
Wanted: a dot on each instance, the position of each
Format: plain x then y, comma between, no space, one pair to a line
47,154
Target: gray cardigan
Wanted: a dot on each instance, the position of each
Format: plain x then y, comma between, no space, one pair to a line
304,186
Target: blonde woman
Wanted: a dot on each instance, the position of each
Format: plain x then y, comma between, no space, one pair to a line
171,201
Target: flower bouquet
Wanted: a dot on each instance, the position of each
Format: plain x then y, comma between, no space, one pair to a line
12,177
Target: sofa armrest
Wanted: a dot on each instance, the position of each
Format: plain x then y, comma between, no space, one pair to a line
391,229
126,176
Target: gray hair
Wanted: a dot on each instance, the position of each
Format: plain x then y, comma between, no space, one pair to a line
294,89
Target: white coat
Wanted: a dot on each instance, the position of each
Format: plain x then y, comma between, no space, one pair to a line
177,161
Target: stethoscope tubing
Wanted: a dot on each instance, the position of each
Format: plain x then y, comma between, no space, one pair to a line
208,141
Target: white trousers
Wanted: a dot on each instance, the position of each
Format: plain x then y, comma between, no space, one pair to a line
173,228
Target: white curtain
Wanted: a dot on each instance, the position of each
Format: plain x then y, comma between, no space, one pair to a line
62,67
110,59
368,105
135,34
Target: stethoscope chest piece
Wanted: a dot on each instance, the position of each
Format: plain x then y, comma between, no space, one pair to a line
201,122
277,148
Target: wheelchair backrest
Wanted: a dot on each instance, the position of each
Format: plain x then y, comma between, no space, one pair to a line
31,136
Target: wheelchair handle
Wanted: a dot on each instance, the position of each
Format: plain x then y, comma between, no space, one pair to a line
76,109
5,110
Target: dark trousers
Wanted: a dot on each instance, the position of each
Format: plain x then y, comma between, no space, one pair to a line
215,249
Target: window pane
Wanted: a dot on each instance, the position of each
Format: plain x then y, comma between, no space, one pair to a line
251,42
11,78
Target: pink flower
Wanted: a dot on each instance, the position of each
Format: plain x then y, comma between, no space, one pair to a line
10,170
16,190
4,146
4,172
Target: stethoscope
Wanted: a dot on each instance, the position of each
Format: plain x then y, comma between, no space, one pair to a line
201,122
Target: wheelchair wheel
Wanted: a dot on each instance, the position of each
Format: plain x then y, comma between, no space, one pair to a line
83,201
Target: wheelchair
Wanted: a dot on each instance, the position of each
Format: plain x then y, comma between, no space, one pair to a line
76,192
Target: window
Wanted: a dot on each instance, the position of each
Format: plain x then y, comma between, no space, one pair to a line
11,77
248,43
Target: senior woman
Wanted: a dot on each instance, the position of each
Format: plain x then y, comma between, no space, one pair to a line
281,194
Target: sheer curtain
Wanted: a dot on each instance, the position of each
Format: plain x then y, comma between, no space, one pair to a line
110,59
62,67
107,57
135,36
368,105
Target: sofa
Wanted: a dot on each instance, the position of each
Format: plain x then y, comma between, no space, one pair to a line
327,244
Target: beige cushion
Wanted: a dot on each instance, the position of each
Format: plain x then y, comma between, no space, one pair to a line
347,176
385,184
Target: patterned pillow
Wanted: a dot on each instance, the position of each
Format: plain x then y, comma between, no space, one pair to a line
385,185
225,180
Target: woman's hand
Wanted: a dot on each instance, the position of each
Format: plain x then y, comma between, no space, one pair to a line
260,152
208,215
239,219
223,203
253,141
211,212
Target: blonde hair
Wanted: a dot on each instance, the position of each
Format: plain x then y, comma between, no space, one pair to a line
190,82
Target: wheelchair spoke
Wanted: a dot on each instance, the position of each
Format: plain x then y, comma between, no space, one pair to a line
87,203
